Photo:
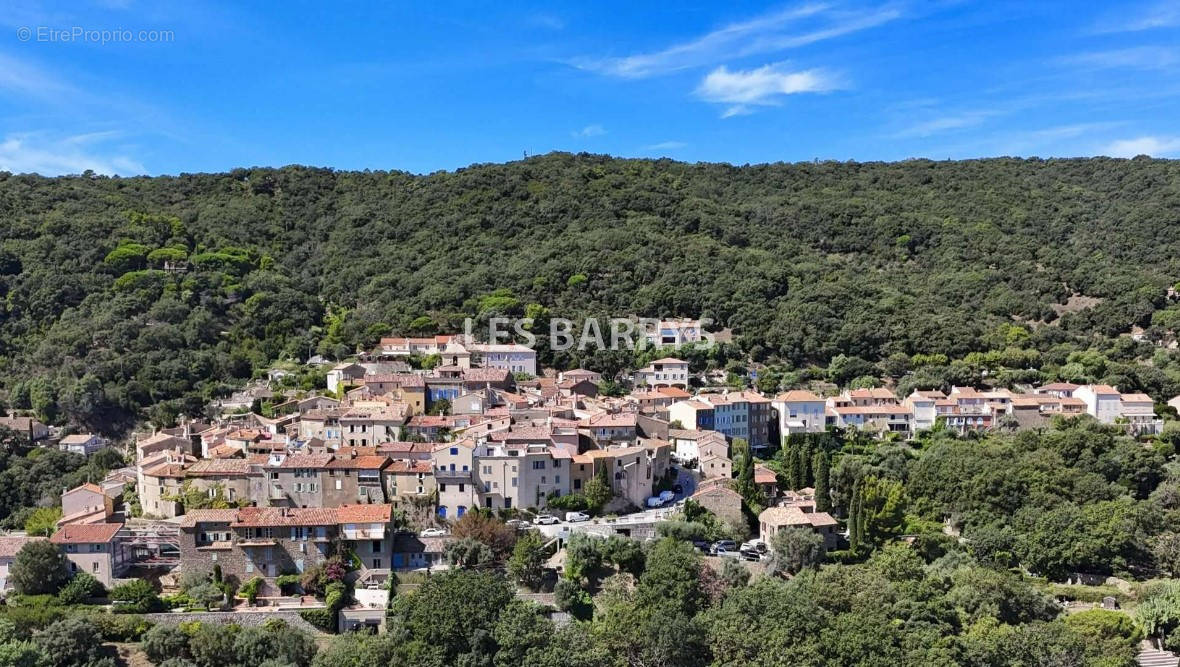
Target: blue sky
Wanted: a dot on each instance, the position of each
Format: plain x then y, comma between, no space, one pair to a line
430,86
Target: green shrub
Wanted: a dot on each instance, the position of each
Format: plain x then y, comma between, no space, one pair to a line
322,619
121,627
135,597
287,583
81,588
249,590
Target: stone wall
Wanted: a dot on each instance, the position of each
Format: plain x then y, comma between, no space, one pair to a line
243,618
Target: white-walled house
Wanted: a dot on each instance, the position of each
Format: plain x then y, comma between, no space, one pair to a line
81,443
666,372
800,411
1139,412
924,406
1103,402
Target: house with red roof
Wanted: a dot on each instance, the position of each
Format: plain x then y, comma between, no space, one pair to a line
92,548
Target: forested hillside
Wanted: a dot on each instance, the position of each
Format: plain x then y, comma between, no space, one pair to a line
120,293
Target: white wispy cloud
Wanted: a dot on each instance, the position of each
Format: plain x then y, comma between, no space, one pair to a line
546,21
28,80
764,86
594,130
1147,145
1140,57
665,146
1165,14
945,123
764,34
40,153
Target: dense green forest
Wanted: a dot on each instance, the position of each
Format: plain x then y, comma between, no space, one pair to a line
122,293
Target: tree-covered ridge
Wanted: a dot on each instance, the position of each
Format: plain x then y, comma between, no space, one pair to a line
120,293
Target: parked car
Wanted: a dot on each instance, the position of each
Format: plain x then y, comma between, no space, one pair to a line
433,532
751,556
655,501
546,520
573,517
723,545
519,524
703,545
666,496
726,553
756,546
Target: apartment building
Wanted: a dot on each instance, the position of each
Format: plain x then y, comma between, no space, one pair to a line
271,541
742,414
509,476
693,414
511,357
666,372
454,465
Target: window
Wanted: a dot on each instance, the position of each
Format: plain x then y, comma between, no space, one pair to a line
376,546
94,566
514,482
487,470
442,488
538,465
377,563
454,451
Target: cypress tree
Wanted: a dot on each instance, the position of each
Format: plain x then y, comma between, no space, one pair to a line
854,517
791,459
804,466
823,498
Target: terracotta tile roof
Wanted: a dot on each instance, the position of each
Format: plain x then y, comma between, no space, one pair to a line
193,517
375,462
522,434
213,467
306,461
669,360
798,396
285,516
1103,389
723,489
673,392
764,475
88,486
1136,398
1058,386
485,375
410,467
610,420
86,533
364,513
165,470
10,544
403,380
